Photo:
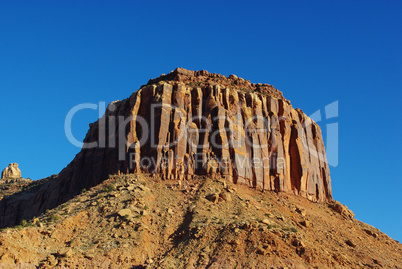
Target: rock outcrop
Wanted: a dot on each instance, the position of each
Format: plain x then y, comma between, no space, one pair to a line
189,123
12,171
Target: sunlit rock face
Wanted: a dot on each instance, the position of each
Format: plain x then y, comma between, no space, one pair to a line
191,123
12,171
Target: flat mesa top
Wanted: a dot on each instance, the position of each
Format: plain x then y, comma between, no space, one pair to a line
204,78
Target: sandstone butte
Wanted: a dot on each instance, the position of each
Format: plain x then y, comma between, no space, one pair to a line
188,102
12,171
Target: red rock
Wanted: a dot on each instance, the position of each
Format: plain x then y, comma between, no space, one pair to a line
205,124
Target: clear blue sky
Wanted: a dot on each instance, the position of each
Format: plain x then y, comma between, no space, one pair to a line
57,54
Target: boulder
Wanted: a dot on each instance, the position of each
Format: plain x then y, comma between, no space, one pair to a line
125,213
342,209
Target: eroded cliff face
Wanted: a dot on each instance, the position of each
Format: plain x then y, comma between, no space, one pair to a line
190,123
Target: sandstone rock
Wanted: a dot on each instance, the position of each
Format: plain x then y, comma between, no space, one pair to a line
52,260
350,243
213,198
342,209
207,127
89,256
131,188
225,197
301,211
266,221
375,235
75,242
124,212
12,171
305,223
65,252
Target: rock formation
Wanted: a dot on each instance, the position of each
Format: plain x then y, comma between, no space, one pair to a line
189,123
12,171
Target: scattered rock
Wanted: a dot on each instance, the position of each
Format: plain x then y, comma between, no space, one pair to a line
213,198
65,253
375,235
342,209
305,223
282,218
125,213
75,242
261,251
52,261
131,188
301,211
350,243
225,197
89,256
266,221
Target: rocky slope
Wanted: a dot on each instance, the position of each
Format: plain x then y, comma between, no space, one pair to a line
189,123
139,221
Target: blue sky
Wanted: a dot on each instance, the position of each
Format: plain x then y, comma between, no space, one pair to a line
57,54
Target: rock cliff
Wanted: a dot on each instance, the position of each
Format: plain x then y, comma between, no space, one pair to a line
12,171
189,123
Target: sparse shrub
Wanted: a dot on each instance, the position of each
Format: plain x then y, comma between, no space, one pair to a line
24,223
53,218
220,221
109,188
293,230
239,212
83,190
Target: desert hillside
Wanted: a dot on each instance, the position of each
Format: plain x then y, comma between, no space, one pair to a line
138,221
193,170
